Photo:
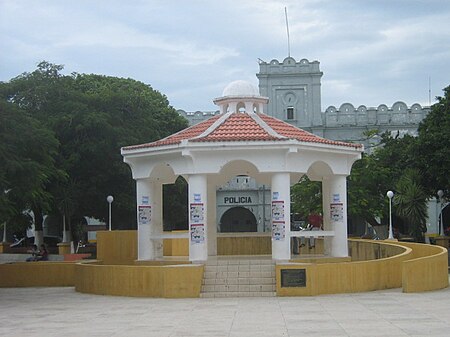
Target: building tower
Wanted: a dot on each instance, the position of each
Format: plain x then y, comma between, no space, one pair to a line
293,89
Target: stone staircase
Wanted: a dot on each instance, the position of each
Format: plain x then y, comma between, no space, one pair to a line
239,277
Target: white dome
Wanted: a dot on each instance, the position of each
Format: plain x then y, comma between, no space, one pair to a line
240,88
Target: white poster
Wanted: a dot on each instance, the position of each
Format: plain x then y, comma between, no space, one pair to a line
337,212
197,233
197,213
145,214
277,210
145,200
278,230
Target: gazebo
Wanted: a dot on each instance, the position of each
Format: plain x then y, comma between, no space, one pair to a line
241,140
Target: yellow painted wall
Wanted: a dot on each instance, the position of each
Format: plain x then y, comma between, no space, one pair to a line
442,241
428,270
37,274
344,277
117,247
176,247
363,250
3,247
141,281
64,248
374,265
182,281
244,245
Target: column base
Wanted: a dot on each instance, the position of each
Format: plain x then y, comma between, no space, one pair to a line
63,248
4,247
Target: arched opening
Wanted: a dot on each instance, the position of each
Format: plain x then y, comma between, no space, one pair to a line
175,205
238,219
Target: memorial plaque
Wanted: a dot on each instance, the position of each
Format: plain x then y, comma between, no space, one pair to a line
293,278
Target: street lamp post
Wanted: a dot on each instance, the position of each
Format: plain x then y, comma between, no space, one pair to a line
4,232
110,199
440,194
4,224
390,194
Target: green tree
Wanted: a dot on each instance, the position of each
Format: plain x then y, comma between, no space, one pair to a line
27,150
92,117
410,203
432,153
120,112
375,174
175,205
367,186
66,198
306,197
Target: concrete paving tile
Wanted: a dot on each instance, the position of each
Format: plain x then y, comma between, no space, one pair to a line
63,312
298,332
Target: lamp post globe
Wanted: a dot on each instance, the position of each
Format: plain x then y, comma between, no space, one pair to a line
110,199
390,195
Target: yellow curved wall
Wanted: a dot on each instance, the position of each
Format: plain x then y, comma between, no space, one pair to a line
375,265
37,274
347,277
171,281
428,270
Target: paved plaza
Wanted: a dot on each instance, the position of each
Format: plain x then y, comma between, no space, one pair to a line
63,312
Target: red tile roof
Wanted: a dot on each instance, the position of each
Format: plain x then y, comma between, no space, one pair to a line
176,138
292,132
238,127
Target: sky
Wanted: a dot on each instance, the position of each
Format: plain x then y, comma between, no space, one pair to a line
371,52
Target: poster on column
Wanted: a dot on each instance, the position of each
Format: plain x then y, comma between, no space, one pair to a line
278,230
145,214
337,212
197,213
197,233
278,210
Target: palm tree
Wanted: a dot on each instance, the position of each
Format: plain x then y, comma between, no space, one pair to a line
410,203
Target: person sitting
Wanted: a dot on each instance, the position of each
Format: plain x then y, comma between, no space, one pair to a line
43,254
34,253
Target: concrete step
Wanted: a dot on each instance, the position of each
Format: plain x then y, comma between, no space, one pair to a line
236,277
238,294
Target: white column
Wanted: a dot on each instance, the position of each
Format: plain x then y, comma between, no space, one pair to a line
281,210
232,107
249,107
149,215
198,210
260,107
211,220
327,226
335,213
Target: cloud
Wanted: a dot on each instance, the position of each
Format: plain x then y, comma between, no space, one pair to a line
370,51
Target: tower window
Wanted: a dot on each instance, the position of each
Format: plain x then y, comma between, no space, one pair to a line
290,113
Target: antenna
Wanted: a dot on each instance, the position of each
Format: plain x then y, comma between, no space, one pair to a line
429,90
287,29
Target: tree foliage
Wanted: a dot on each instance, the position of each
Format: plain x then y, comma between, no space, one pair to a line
410,203
90,117
306,197
27,150
175,205
432,153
